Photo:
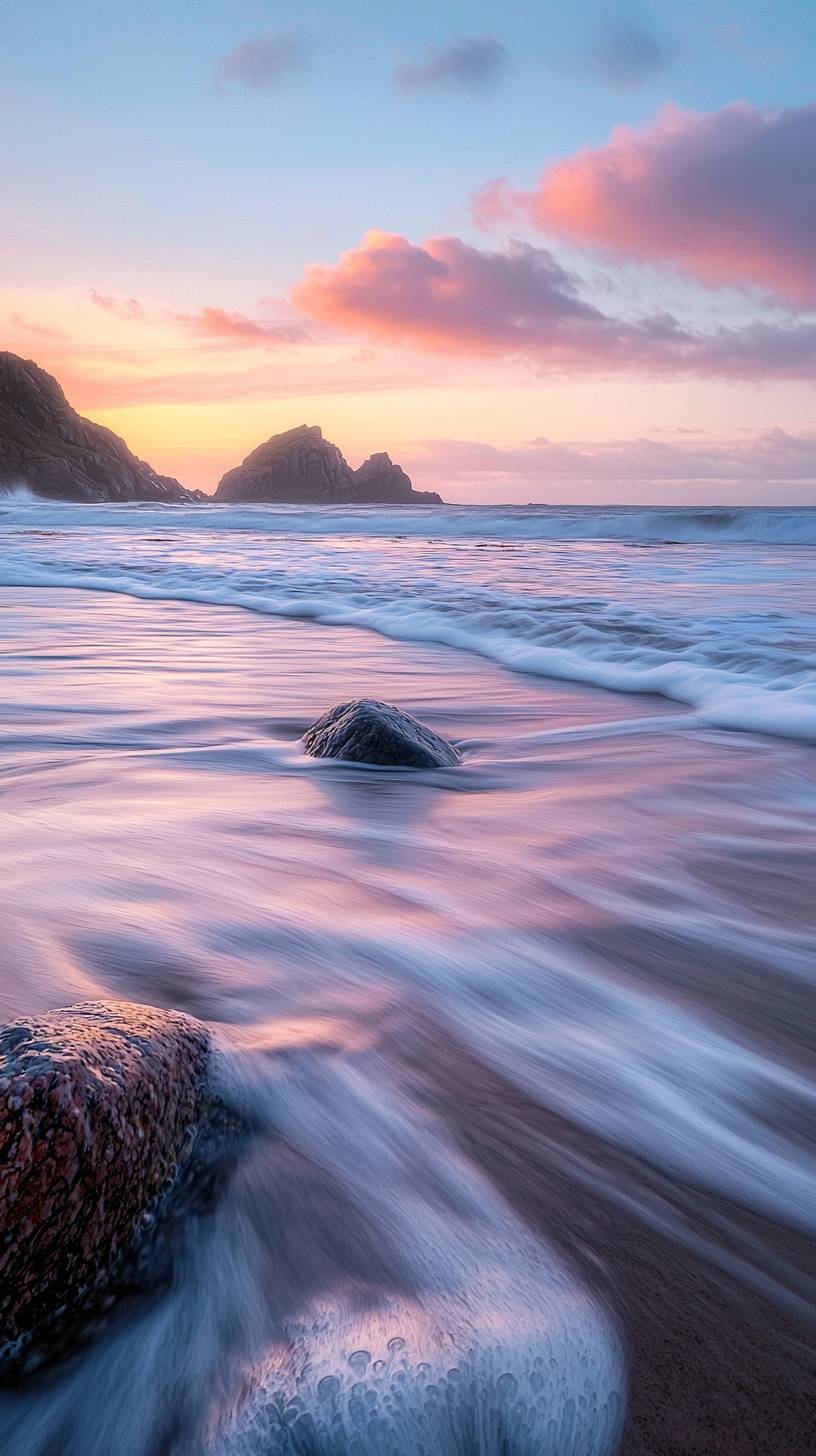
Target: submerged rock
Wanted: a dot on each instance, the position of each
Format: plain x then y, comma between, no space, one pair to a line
47,446
366,731
98,1104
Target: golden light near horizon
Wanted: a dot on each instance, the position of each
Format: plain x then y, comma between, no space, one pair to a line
194,405
407,727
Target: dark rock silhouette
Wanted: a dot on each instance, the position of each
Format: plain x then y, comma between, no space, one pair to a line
98,1104
380,481
47,446
300,467
366,731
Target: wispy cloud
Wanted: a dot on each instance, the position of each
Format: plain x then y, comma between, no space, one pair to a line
221,323
446,296
209,322
628,54
41,331
129,310
728,196
263,64
772,455
467,63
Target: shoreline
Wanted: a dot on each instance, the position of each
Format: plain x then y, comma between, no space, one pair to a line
716,1367
623,902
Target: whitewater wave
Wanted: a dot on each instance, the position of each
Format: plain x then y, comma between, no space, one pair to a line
724,628
730,679
19,494
780,525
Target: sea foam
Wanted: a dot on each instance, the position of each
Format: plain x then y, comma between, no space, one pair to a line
667,525
492,1348
722,627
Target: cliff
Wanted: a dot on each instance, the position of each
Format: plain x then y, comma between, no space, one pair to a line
47,446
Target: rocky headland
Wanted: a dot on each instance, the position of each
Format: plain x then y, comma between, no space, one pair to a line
47,446
50,449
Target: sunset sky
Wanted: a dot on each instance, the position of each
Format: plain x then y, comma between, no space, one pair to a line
533,251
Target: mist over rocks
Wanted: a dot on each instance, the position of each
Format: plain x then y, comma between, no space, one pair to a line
367,731
98,1106
47,446
300,467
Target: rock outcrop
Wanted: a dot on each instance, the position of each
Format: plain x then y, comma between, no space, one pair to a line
299,467
98,1106
380,481
47,446
366,731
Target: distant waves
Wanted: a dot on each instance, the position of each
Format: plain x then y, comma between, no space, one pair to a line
781,525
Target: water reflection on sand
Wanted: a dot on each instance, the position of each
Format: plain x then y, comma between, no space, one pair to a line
603,916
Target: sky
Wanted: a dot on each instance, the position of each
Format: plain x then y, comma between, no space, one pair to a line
536,252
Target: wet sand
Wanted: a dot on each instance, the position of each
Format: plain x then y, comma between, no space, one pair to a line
589,952
717,1367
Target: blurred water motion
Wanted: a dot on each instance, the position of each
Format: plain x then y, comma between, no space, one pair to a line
607,908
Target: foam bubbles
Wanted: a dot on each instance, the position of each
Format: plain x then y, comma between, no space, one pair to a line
492,1347
554,592
446,1387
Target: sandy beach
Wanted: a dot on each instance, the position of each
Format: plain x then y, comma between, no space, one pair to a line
563,987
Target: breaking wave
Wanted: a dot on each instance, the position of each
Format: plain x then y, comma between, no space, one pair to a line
794,526
725,628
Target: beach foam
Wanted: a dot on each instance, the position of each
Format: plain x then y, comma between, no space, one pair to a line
590,948
555,592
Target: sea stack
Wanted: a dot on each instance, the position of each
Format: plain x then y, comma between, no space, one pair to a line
379,481
299,467
47,446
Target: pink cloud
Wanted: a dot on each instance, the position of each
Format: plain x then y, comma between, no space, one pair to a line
644,470
208,322
42,331
446,296
773,455
116,378
497,202
129,310
728,196
221,323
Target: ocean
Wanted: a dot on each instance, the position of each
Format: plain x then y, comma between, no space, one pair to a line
526,1045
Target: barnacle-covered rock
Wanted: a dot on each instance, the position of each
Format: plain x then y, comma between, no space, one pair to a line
98,1107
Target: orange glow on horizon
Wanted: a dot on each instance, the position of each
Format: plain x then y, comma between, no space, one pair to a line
194,407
